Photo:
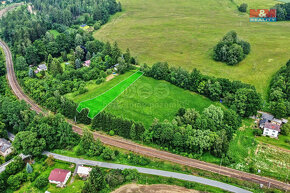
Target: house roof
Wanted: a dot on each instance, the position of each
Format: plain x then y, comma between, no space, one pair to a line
4,145
58,175
84,25
272,126
84,170
263,121
267,116
277,121
42,67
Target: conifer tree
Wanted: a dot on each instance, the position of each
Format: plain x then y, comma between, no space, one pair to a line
29,168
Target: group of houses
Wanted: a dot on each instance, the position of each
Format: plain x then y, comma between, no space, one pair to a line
61,176
270,125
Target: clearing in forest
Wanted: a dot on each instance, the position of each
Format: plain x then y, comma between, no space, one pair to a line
99,103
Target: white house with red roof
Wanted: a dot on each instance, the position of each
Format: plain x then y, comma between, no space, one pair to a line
271,129
59,176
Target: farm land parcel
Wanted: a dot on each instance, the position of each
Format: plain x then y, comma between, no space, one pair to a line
184,32
99,103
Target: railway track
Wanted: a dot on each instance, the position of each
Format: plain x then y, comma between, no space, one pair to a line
137,148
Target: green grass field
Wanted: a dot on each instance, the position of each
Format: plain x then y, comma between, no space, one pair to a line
184,33
97,104
146,99
149,98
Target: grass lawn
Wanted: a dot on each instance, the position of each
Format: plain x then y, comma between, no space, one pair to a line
281,142
258,4
149,98
100,102
184,33
146,99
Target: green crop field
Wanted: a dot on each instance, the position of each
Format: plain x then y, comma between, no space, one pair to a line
184,33
97,104
146,99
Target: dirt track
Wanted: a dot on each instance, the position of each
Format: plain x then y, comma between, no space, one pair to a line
147,151
157,188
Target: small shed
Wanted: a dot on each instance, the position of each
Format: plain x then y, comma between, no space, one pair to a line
83,171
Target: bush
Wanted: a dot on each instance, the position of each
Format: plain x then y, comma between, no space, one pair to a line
130,174
99,80
112,133
49,161
31,177
41,182
97,25
115,178
258,132
108,154
243,7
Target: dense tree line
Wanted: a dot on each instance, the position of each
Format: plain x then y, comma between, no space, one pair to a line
283,11
120,126
28,27
194,133
279,94
11,176
35,133
231,49
68,12
242,98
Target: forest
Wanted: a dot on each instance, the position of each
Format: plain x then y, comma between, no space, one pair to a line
279,93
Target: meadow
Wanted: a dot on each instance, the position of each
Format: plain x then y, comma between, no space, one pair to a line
184,32
146,99
99,103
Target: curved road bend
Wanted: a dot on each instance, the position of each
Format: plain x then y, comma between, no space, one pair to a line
180,176
137,148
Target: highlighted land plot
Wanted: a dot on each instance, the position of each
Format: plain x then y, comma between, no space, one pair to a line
99,103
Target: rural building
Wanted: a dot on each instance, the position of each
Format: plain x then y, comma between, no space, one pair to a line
84,172
85,27
42,67
271,129
87,63
270,125
3,2
115,67
5,147
59,176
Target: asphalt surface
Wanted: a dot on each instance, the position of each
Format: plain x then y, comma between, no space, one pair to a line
175,175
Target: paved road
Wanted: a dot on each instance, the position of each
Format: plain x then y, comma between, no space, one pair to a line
180,176
137,148
3,166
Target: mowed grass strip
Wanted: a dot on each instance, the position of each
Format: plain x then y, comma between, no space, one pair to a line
148,99
98,103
